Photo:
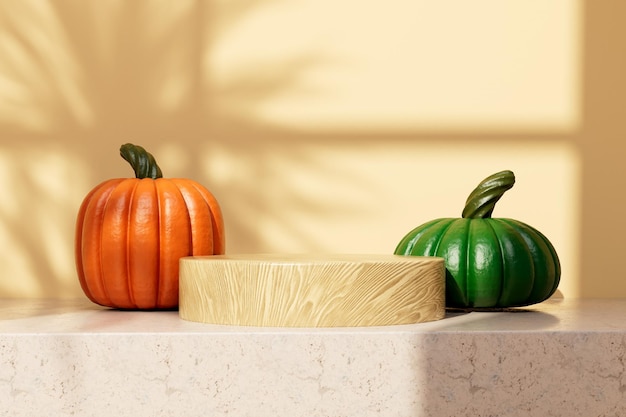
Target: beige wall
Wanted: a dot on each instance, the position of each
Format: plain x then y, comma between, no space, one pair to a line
320,126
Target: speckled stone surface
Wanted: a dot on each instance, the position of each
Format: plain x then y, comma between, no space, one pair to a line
558,358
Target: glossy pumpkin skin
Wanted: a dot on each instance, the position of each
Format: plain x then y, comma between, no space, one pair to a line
490,262
131,233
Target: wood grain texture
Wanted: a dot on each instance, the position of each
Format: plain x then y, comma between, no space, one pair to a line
312,291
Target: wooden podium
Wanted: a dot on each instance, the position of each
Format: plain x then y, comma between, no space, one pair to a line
312,290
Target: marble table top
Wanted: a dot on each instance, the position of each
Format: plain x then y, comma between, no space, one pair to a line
72,358
22,316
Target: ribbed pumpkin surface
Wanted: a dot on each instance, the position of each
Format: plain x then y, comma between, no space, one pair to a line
131,233
490,262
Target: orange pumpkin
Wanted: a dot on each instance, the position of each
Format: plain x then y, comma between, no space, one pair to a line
131,233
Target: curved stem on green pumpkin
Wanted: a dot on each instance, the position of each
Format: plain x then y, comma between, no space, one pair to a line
142,162
482,200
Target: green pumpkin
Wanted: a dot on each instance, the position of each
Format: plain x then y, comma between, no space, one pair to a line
490,262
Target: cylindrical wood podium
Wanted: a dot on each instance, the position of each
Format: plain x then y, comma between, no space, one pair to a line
312,290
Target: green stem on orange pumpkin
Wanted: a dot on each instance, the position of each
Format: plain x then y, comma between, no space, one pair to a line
482,200
142,162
